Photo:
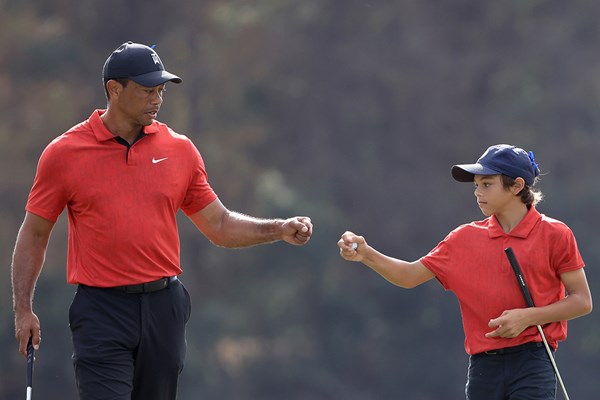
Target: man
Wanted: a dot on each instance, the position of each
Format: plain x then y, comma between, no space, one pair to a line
123,176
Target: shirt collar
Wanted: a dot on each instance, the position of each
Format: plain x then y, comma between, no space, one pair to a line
522,230
103,134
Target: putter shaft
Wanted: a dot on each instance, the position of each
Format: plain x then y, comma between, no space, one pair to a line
30,358
529,300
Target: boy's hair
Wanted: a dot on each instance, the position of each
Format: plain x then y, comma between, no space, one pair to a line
528,195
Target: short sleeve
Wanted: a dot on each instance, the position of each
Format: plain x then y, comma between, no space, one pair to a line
48,195
438,260
199,193
566,256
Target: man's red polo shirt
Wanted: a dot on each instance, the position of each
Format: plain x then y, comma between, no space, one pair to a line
122,201
471,262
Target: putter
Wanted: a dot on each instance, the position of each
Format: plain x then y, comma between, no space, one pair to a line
521,280
30,355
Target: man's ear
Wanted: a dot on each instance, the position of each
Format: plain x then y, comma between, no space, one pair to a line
114,88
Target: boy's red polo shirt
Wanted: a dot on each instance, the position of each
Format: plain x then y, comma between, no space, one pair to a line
471,262
122,202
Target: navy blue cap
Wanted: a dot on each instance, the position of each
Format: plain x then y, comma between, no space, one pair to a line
500,159
138,63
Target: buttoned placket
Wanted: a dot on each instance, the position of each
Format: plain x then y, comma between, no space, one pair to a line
128,156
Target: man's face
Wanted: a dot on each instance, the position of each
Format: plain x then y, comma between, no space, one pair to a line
140,103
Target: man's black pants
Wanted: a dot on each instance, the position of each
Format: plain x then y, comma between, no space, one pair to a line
129,346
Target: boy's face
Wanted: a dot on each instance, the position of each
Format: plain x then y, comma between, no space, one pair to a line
492,196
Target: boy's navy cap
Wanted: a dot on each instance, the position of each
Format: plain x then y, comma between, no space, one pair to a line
138,63
499,159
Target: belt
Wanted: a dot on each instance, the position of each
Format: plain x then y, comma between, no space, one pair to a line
147,287
515,349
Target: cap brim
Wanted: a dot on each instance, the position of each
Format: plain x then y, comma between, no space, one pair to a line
467,172
155,78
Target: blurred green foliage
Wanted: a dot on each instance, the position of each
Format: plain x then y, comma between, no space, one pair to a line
348,111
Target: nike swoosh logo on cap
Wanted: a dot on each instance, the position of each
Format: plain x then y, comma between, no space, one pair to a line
155,161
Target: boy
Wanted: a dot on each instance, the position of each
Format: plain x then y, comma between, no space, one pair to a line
507,359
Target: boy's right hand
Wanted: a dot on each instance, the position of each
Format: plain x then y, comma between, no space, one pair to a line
352,246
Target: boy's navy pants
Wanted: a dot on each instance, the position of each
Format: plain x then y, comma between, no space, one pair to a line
523,372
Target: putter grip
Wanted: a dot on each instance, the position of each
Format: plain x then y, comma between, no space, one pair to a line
30,363
512,259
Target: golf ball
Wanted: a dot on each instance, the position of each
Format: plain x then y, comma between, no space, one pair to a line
354,246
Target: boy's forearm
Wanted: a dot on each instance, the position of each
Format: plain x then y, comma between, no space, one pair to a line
393,270
571,307
577,303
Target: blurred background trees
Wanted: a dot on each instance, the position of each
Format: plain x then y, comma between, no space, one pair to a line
348,111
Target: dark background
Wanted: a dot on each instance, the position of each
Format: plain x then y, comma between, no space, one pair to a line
351,112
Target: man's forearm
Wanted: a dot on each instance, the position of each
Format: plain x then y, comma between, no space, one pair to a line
27,262
240,230
232,229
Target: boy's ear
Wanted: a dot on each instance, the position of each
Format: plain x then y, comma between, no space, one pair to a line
518,186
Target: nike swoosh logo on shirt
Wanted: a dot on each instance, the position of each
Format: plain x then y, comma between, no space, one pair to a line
154,160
